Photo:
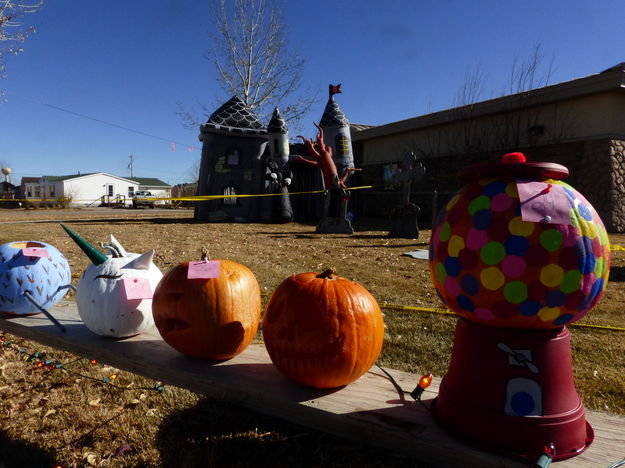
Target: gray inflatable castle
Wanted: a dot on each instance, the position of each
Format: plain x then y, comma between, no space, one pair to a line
233,144
242,157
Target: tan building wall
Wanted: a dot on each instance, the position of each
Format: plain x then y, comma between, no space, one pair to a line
580,124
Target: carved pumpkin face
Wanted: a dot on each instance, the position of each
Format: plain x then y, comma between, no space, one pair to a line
104,297
215,318
41,276
323,331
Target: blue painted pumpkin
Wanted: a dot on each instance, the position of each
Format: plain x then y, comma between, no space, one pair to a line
43,276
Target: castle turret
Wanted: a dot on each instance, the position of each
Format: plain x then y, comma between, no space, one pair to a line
233,143
336,132
278,133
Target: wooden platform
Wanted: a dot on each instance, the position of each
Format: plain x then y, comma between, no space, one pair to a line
371,410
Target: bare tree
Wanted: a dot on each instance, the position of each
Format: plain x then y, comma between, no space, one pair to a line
250,52
13,32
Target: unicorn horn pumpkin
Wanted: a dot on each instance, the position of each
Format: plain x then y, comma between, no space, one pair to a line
94,254
114,294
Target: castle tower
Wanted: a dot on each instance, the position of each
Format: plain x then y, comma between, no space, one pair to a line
233,142
336,132
278,133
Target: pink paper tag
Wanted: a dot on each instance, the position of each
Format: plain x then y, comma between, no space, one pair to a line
34,252
203,269
137,288
543,202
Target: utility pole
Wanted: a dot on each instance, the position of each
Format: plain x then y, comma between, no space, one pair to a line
131,165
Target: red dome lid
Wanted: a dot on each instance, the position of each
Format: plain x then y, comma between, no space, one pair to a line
514,165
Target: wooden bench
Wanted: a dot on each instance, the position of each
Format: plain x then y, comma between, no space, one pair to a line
372,410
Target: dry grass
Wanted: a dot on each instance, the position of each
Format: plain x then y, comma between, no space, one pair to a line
178,428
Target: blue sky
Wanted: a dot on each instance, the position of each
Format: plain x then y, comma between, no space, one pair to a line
130,62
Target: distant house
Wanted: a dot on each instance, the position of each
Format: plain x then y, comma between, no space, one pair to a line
158,188
7,190
92,189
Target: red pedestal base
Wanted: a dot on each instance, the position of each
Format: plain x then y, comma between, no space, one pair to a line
513,390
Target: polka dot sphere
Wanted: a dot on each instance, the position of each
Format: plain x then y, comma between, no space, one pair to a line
491,267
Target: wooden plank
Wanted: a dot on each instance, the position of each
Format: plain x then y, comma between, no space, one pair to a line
371,410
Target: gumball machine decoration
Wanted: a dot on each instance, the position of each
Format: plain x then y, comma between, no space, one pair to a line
517,254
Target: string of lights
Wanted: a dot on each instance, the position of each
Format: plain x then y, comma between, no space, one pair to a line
40,360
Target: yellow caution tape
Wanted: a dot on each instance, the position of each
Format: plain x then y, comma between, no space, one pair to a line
386,305
191,198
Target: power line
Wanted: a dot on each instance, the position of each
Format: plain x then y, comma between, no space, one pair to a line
105,122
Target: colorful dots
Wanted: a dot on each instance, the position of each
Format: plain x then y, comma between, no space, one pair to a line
486,180
587,263
563,319
516,245
453,201
513,266
484,315
515,292
492,278
470,285
529,308
546,314
518,227
492,267
441,274
551,275
501,202
571,281
465,303
599,267
452,286
555,298
445,232
584,211
480,203
452,266
492,253
456,244
512,190
482,219
476,239
551,239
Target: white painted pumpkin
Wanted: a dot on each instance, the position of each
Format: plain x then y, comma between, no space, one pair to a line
101,294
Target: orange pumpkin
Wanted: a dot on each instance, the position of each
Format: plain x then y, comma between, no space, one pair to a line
215,318
323,330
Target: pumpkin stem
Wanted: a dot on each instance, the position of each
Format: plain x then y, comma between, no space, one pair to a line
327,274
204,253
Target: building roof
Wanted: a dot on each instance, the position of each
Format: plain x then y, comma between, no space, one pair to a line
612,79
150,182
359,127
235,114
27,180
333,115
277,123
51,178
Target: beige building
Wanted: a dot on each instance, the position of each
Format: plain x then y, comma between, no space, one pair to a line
578,123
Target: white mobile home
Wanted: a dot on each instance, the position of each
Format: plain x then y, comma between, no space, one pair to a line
88,189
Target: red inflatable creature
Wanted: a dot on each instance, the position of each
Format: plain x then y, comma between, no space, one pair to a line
322,155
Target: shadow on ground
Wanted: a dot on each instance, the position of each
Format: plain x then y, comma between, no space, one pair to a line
20,454
214,433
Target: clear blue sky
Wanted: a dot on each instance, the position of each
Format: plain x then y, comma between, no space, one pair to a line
130,62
